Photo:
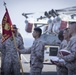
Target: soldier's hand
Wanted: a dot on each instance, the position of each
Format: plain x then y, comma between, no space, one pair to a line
59,63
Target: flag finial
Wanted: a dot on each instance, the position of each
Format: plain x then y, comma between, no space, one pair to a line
4,4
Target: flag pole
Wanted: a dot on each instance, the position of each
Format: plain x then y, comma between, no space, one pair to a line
17,52
16,46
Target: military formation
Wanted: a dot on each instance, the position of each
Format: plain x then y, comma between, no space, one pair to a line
13,47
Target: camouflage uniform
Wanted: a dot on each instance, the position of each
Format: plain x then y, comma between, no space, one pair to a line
0,40
62,70
11,59
2,56
71,58
19,36
36,58
63,44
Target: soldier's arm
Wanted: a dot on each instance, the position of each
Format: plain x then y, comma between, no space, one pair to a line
2,47
25,51
46,42
39,50
72,55
21,45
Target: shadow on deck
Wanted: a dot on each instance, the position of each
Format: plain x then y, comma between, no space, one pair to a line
43,73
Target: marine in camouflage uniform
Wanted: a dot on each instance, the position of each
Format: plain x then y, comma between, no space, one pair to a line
61,69
71,58
37,53
11,60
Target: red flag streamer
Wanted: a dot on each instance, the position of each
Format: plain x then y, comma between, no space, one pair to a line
6,26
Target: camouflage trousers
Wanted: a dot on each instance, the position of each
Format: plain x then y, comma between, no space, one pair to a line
61,70
72,72
35,71
15,67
